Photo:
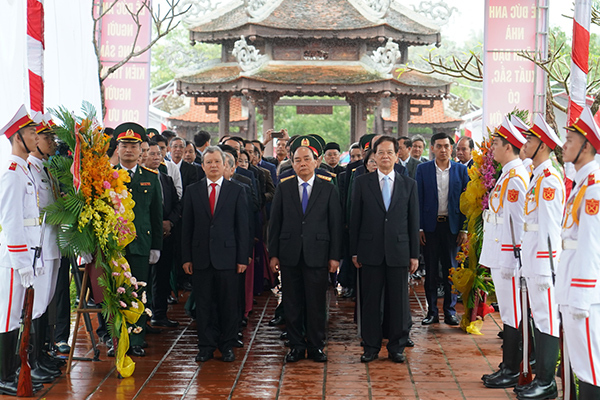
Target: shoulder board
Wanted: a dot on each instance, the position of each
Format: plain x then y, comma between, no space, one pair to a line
325,178
547,172
512,173
591,179
163,163
12,166
286,178
150,170
354,169
333,175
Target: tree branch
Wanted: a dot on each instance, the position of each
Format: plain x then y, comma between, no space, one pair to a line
471,69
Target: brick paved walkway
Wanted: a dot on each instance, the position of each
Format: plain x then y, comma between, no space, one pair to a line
445,364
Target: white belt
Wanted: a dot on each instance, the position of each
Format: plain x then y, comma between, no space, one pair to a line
31,222
568,244
491,218
531,227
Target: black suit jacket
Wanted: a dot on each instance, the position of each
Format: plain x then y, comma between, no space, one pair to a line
171,202
376,234
188,174
220,240
411,166
316,233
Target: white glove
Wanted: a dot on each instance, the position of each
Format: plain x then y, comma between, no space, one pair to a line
579,313
26,277
86,258
507,273
543,282
154,256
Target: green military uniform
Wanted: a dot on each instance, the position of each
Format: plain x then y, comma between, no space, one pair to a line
146,192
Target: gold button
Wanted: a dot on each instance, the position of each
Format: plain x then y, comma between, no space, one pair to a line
145,191
148,232
496,239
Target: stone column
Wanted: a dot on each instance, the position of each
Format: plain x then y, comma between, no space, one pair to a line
223,114
403,115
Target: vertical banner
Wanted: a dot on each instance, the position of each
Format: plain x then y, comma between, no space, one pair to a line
35,54
510,81
580,51
126,91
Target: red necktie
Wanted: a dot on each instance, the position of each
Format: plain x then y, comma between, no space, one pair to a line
212,198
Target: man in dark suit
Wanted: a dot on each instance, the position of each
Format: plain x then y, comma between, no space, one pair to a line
214,250
305,242
161,271
384,243
145,190
418,146
188,171
404,158
464,150
440,183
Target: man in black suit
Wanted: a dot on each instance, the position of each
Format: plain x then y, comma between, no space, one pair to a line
418,146
305,242
384,242
188,171
404,158
464,150
161,271
214,250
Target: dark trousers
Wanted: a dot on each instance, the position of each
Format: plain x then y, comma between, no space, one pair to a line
220,288
440,250
394,280
62,296
161,275
305,302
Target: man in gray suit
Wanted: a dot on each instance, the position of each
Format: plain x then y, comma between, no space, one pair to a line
404,158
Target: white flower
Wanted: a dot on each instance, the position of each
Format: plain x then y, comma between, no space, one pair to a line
134,304
144,299
138,329
129,330
149,312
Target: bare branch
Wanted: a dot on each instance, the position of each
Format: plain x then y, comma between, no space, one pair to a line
471,69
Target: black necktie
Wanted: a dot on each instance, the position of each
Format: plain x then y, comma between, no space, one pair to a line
130,173
573,185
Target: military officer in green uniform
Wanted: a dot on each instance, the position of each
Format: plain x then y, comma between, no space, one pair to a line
146,192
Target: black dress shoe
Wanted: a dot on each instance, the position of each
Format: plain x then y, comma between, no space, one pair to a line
8,387
238,343
451,320
277,321
410,343
397,357
295,355
349,294
166,322
228,356
317,355
430,319
144,345
137,351
368,357
203,356
502,379
110,352
283,336
151,330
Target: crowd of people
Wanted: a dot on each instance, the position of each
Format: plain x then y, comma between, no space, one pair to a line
227,222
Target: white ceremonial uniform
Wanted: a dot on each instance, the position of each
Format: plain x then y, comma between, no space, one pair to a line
506,201
21,230
577,288
544,204
45,283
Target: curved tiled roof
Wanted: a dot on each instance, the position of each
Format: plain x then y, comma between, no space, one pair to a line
429,116
307,18
197,113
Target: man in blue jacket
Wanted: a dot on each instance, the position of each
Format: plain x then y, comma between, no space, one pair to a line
440,183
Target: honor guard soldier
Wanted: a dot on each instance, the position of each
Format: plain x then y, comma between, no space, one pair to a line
21,230
145,191
319,172
45,283
506,203
544,204
577,289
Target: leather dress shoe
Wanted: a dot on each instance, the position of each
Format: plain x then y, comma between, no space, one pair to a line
368,357
279,320
144,345
110,352
152,331
317,355
295,355
8,387
203,356
284,335
397,357
166,322
410,343
137,351
228,356
504,379
451,320
430,319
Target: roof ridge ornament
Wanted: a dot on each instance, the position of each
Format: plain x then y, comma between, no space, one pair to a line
437,11
386,57
379,7
247,56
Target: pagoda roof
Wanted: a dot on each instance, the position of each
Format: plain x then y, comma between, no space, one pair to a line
432,116
205,114
309,78
340,19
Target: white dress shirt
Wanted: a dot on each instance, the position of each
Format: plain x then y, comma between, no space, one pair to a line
219,182
443,184
310,182
391,175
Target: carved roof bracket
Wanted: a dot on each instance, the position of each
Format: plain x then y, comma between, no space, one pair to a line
248,56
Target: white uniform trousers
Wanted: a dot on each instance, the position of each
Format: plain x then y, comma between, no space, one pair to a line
583,343
543,308
12,295
509,302
45,286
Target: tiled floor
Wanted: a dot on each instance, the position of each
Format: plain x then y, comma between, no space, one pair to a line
445,364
